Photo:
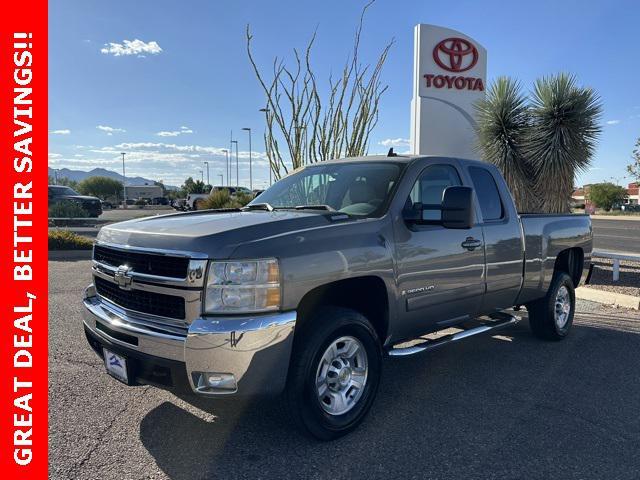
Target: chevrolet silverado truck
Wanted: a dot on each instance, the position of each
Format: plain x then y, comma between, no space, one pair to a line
304,291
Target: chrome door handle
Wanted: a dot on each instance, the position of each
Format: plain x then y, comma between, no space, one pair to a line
471,244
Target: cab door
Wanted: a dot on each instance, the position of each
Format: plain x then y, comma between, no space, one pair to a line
440,271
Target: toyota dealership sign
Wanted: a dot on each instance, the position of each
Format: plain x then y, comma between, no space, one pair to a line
449,75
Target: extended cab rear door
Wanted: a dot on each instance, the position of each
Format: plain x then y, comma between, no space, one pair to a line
503,245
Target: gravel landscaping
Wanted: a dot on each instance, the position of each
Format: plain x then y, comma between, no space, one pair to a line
602,277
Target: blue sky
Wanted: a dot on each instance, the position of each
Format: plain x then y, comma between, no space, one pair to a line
172,104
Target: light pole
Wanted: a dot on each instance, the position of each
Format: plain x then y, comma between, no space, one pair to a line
207,164
201,175
237,167
231,154
221,179
226,152
266,114
250,174
124,184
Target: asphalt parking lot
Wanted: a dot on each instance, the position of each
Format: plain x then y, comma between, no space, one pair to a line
508,406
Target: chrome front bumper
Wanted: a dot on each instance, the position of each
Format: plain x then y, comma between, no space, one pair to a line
247,355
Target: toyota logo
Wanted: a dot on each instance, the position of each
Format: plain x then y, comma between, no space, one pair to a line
455,54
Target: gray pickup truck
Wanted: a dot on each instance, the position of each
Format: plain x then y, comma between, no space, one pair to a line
305,290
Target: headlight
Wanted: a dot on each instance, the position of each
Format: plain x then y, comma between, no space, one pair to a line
243,287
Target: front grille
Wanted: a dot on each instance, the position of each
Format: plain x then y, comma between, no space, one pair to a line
140,301
147,263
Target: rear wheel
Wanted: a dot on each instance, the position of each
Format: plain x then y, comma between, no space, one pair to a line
551,317
334,373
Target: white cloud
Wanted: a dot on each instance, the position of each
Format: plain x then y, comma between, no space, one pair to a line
64,131
169,162
174,133
612,122
395,142
131,47
54,155
110,130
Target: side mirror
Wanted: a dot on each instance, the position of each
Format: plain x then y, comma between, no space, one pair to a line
457,207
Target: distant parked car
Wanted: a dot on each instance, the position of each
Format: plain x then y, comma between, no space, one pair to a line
59,193
160,201
106,205
630,207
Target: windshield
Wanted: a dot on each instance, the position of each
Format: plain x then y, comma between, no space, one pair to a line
360,189
62,191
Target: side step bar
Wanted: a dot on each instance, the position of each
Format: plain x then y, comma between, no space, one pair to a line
499,320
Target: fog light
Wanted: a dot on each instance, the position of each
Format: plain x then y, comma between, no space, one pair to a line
216,382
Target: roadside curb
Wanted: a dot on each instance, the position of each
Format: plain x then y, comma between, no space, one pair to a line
61,255
630,218
609,298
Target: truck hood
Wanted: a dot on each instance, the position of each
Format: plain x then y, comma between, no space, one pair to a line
216,234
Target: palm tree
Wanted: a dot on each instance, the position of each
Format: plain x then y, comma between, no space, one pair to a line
502,124
562,137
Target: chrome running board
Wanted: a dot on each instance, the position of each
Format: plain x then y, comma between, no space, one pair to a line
497,320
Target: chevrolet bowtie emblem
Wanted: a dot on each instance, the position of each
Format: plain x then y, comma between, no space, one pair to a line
122,277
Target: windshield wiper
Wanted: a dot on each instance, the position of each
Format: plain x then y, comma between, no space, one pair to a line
259,206
315,207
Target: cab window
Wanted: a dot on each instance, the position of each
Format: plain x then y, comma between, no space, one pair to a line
429,189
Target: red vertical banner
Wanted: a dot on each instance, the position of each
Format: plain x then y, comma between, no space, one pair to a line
23,239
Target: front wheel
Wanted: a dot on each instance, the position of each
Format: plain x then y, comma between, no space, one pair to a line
551,317
334,373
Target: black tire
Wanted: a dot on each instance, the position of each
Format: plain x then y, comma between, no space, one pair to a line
542,313
301,395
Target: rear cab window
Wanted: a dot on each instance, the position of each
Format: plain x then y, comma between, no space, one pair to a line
487,194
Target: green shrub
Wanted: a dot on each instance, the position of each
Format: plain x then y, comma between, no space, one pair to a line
140,203
67,209
222,199
218,199
606,195
243,198
67,240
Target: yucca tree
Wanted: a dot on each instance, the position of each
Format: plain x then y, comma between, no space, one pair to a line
562,137
502,125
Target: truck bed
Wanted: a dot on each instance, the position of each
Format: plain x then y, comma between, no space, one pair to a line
545,235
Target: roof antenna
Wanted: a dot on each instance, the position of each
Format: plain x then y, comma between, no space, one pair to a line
391,153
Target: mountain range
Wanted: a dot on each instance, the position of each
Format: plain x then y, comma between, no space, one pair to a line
79,175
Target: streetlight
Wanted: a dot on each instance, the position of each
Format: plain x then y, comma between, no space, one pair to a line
201,175
230,153
237,168
207,164
226,152
247,129
221,179
124,184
